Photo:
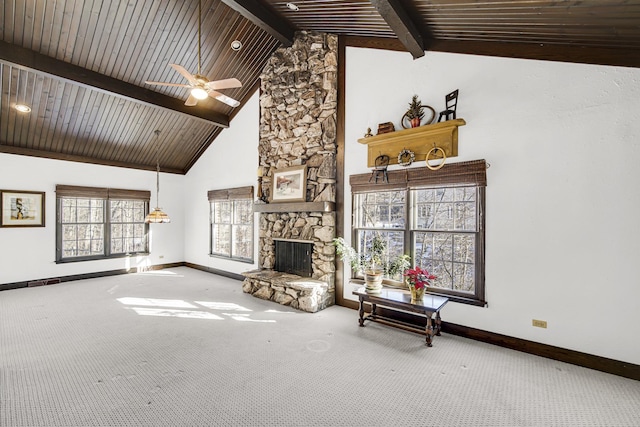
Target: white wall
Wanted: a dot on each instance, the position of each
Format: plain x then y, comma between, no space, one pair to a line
29,253
562,228
231,161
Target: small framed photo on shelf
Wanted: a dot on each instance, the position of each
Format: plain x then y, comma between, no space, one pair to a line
22,208
289,185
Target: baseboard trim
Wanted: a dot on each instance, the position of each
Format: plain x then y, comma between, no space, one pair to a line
215,271
598,363
94,275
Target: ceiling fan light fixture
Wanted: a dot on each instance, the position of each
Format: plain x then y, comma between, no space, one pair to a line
199,93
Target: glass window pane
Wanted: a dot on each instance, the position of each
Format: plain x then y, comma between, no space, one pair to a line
464,248
449,256
116,231
222,212
242,241
463,277
221,239
393,242
243,212
380,210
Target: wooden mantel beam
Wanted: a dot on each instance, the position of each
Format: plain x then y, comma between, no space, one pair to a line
400,22
28,59
256,12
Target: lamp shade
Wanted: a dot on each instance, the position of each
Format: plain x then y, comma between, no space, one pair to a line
157,217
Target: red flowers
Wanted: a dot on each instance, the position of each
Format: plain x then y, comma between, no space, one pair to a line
418,277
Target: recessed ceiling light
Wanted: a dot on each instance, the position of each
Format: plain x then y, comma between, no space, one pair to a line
292,6
236,45
23,108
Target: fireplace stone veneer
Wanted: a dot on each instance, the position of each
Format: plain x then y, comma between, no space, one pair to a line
298,114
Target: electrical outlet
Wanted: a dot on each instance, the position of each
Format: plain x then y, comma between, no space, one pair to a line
539,323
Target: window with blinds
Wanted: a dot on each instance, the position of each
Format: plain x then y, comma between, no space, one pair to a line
95,223
231,223
436,217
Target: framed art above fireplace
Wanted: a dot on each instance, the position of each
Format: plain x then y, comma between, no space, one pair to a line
289,185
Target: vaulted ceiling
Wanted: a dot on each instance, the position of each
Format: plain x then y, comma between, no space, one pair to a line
82,65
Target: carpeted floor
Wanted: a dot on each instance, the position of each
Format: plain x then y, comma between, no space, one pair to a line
184,347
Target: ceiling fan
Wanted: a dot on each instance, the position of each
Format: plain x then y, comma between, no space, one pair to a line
202,87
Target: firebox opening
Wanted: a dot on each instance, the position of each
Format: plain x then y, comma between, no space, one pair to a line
293,257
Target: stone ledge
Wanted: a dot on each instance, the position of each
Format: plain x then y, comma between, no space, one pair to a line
301,293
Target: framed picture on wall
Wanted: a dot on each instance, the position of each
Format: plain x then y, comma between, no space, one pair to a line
289,185
21,208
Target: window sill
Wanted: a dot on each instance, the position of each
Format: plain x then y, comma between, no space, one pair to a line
243,260
101,257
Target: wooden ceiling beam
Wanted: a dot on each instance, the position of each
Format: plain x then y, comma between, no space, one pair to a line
542,52
397,17
261,16
31,60
10,149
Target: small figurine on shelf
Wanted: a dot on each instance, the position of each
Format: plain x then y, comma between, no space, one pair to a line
451,102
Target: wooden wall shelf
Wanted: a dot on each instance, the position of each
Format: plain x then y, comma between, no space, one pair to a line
418,140
295,207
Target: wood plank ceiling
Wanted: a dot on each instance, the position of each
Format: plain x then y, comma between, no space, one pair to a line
81,65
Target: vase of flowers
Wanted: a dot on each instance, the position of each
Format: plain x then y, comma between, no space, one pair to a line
417,280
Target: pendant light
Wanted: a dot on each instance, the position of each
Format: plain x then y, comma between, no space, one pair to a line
157,216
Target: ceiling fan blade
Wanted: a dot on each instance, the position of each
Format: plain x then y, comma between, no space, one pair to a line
187,75
167,84
191,101
224,84
223,98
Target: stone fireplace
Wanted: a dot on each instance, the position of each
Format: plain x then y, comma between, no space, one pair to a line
298,111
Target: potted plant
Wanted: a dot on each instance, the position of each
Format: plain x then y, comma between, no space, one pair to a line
374,265
417,279
415,113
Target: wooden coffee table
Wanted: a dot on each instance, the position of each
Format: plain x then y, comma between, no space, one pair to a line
400,300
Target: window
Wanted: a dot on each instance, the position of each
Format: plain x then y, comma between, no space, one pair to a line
436,217
444,236
231,228
94,223
383,215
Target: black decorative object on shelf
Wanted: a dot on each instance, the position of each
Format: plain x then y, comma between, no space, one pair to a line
451,102
380,169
